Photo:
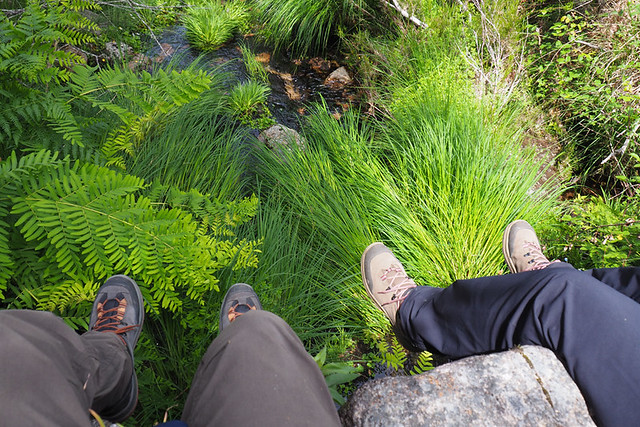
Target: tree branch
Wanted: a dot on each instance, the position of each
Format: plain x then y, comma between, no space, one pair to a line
395,5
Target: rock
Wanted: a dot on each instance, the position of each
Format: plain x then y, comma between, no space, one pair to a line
139,62
523,386
166,50
320,64
338,78
279,138
115,51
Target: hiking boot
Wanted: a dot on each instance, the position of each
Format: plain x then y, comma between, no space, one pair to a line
119,309
240,299
521,248
384,279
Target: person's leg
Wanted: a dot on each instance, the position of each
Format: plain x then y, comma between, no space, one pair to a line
257,372
591,327
50,375
625,280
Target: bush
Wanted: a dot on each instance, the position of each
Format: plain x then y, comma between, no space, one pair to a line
597,232
583,66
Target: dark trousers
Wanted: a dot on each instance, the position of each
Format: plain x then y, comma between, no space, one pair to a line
591,320
256,372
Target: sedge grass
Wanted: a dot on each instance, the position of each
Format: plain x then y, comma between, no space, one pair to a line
199,148
306,26
211,24
254,68
434,184
246,97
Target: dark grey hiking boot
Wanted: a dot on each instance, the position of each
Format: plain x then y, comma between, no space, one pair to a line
521,248
119,309
384,279
240,299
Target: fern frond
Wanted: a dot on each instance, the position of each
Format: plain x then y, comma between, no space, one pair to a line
87,222
422,364
219,217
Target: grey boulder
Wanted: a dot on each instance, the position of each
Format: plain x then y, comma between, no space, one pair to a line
526,386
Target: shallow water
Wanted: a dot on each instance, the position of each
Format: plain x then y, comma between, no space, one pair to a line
295,84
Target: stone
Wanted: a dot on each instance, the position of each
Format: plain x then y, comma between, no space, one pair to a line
115,51
338,79
524,386
320,64
166,50
279,138
139,61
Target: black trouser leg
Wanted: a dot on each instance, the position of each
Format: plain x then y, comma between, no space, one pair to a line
592,328
51,376
625,280
257,372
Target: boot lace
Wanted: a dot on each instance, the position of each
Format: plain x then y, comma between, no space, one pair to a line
238,310
110,315
399,290
538,261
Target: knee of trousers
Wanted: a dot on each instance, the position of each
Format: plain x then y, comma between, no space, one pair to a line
560,282
257,324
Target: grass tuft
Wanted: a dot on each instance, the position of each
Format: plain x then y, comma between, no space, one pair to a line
247,96
213,23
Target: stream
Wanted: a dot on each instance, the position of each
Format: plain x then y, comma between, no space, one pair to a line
295,83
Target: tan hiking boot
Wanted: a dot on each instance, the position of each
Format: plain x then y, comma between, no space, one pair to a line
384,279
521,248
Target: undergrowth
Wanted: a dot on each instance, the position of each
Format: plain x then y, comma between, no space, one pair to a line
583,63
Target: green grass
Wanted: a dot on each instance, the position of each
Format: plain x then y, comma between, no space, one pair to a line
199,147
211,24
306,26
435,183
246,97
254,68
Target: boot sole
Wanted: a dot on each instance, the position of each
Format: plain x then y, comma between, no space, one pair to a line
505,247
366,282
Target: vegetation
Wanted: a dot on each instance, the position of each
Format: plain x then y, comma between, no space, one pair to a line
584,66
248,102
212,23
308,26
157,173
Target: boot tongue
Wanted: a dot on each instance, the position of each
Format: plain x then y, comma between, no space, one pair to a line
242,308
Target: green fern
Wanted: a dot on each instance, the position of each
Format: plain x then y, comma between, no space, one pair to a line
137,102
219,217
30,52
422,364
393,355
31,56
86,222
111,109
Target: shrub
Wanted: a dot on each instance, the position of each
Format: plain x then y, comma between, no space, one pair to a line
596,232
582,62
